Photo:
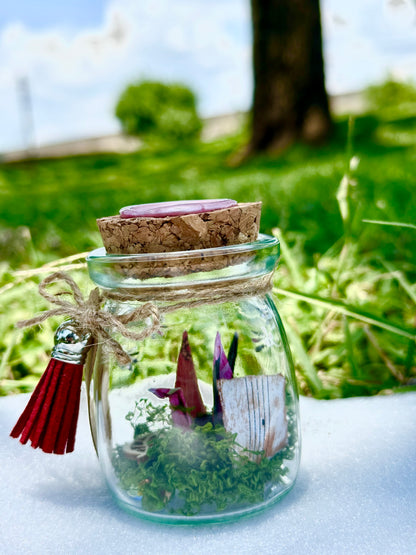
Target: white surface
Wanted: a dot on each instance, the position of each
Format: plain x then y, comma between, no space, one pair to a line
356,493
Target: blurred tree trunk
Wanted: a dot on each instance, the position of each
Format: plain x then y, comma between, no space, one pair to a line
290,101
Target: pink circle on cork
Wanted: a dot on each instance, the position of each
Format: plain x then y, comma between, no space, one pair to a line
175,208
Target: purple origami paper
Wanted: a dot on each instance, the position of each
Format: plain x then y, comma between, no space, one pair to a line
187,380
177,402
224,368
221,371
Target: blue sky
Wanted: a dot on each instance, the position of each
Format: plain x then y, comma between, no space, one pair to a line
78,55
43,14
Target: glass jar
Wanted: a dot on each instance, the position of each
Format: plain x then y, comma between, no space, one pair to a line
202,425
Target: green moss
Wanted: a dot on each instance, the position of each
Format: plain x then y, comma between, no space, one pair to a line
189,470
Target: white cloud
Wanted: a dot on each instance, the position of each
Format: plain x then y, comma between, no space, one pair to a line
366,40
75,77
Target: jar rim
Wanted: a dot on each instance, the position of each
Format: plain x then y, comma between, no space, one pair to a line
179,268
263,241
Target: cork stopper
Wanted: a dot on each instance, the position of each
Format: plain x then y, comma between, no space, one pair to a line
233,225
217,228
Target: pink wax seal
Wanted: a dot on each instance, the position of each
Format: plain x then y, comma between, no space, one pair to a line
175,208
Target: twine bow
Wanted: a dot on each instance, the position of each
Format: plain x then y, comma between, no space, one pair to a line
88,316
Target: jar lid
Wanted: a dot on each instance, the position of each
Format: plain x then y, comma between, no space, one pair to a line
215,227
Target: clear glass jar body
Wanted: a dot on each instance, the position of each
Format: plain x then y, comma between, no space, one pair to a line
235,449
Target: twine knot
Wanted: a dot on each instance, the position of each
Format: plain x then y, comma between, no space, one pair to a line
88,316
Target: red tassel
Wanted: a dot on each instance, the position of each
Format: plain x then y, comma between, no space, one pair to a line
50,418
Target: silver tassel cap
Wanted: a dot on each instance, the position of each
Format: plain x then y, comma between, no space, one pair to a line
71,345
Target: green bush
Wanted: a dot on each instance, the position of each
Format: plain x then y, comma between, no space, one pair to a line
155,109
390,93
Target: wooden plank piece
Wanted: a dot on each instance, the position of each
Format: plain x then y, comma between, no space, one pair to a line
254,408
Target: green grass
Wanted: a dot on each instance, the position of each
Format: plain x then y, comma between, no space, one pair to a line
57,201
49,209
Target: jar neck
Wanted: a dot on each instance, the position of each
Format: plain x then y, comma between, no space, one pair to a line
197,293
229,266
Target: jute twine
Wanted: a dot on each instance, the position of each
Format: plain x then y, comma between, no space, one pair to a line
89,317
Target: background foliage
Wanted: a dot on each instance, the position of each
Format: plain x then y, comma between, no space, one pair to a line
159,111
345,287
